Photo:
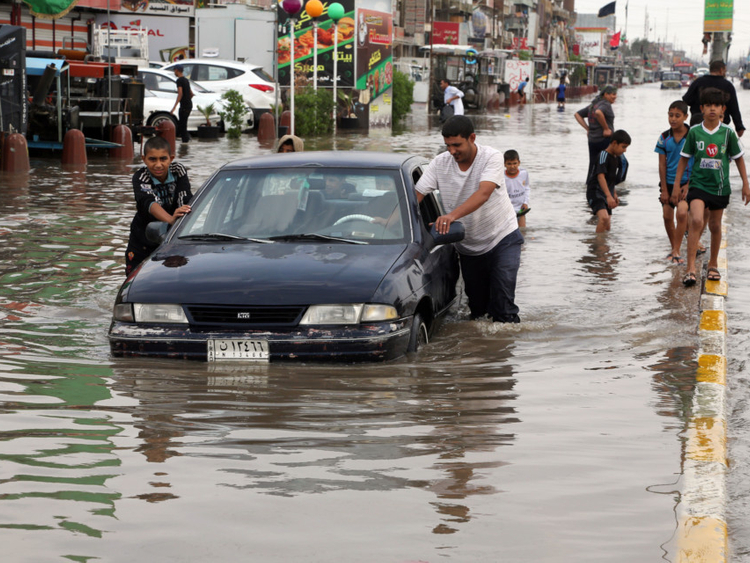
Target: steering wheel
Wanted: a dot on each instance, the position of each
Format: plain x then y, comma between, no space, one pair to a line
356,217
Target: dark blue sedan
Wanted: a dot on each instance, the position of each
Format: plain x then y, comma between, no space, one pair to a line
319,255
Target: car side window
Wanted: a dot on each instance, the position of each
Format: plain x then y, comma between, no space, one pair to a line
430,208
165,84
187,70
216,73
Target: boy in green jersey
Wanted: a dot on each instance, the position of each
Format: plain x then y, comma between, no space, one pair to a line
712,144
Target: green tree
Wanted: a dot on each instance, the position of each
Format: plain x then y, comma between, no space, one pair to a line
403,95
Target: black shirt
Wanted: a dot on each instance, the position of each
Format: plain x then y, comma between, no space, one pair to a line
187,93
693,98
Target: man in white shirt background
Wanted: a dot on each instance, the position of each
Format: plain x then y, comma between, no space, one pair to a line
452,96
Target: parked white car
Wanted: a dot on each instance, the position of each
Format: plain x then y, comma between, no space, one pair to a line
255,84
163,84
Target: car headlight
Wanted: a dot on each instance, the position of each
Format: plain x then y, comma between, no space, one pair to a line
371,313
158,313
349,313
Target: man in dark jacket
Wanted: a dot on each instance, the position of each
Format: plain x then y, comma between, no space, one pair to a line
715,79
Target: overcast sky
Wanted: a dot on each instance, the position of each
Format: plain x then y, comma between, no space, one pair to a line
676,21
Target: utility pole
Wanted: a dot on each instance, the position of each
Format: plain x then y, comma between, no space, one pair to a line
720,46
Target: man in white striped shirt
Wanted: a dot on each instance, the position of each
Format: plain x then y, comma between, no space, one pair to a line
470,178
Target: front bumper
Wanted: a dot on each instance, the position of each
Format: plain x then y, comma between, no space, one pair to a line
371,342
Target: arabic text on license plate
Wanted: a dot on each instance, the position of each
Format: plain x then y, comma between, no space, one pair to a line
230,349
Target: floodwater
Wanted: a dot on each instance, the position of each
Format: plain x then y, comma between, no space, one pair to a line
556,440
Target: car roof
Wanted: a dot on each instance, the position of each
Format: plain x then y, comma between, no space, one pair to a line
211,60
328,159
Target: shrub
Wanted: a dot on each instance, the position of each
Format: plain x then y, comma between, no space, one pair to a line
233,112
403,94
313,112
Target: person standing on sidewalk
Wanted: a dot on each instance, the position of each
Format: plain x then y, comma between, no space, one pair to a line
185,101
470,178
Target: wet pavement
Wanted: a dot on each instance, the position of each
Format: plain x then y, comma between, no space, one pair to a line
559,439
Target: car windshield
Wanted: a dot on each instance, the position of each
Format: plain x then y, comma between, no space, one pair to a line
670,76
300,205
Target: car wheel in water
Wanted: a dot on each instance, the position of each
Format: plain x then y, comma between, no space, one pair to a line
419,335
159,118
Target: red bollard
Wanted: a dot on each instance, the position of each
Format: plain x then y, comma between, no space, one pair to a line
74,148
286,119
15,156
166,129
266,131
122,135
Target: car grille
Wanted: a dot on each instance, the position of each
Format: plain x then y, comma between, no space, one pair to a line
246,316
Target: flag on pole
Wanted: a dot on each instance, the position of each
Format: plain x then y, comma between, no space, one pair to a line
50,9
607,9
614,43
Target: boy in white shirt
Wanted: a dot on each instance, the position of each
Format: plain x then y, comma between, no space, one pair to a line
517,183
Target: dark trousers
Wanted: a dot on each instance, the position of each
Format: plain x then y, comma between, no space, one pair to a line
182,130
490,280
595,149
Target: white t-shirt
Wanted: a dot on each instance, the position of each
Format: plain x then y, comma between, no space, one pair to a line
458,104
519,189
494,220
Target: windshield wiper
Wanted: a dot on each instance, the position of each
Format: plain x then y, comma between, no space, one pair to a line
223,236
314,236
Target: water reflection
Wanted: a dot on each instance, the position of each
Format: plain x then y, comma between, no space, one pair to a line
59,460
289,431
601,261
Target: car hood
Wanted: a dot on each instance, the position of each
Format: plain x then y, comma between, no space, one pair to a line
263,274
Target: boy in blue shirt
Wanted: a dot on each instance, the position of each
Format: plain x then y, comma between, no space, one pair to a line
668,148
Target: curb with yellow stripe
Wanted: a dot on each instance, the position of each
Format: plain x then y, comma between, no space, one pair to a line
702,527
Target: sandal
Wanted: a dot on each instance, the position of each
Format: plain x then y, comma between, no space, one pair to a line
701,250
689,279
712,274
677,259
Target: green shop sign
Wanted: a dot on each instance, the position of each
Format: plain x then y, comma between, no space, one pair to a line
718,16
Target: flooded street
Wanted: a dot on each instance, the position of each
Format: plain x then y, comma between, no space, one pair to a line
556,440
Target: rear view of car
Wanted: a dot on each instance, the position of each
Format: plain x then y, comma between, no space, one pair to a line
254,84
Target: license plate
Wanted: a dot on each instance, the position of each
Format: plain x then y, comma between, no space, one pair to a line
235,349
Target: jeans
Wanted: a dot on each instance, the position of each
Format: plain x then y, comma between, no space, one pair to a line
490,280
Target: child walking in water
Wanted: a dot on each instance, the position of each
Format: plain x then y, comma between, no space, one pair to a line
668,148
517,184
712,144
610,170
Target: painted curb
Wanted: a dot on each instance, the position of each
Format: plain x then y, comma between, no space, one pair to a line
702,535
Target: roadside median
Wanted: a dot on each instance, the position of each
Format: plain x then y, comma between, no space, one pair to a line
702,535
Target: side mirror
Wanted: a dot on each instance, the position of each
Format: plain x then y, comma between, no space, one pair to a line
455,233
156,232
